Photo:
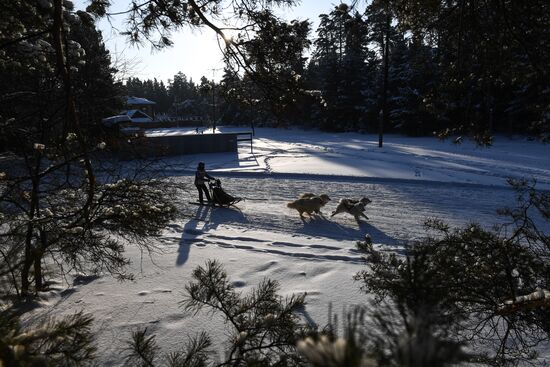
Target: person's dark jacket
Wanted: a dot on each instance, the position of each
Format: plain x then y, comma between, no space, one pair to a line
201,177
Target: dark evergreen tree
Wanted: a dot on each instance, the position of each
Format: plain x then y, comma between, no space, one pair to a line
412,84
491,58
181,89
379,17
354,75
96,92
277,55
339,64
233,109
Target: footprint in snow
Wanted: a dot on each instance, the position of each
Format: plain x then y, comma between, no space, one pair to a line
239,283
160,290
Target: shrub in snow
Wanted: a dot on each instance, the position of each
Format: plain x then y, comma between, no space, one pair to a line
481,286
252,341
81,228
64,342
325,352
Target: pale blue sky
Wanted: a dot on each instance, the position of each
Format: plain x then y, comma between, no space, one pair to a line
195,52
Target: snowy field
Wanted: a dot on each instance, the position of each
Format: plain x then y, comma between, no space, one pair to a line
356,155
408,180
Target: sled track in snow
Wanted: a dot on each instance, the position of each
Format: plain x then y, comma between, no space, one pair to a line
339,178
397,212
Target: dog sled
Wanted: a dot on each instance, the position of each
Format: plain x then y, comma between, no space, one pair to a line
219,196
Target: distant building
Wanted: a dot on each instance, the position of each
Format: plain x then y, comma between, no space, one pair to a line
187,110
142,104
137,116
127,118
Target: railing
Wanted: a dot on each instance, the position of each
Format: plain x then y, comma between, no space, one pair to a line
245,136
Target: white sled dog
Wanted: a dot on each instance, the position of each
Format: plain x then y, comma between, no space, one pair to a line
353,207
309,203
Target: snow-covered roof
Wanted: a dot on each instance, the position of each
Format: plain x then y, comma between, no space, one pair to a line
137,116
139,101
113,120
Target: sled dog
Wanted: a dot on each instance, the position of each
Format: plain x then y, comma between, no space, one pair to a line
307,205
353,207
324,197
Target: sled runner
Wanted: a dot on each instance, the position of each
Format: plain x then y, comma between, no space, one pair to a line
200,204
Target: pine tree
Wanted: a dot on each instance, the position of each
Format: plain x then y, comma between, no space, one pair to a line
490,62
412,82
379,17
484,287
354,74
339,66
277,55
53,206
263,327
61,342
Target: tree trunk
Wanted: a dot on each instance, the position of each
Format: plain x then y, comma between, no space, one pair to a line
25,271
38,279
33,207
38,255
384,120
72,120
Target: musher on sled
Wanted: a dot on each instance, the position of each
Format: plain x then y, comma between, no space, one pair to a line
201,177
219,196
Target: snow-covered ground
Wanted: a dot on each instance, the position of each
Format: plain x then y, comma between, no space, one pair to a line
408,180
358,155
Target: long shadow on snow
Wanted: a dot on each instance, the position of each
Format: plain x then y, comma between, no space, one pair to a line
206,218
225,215
321,227
191,229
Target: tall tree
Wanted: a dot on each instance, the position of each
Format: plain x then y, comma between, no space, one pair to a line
379,17
339,63
277,56
355,73
53,206
492,57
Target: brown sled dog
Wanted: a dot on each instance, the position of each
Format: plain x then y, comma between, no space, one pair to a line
324,197
309,203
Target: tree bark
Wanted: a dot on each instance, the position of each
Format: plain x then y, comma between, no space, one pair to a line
28,259
38,255
72,119
384,120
